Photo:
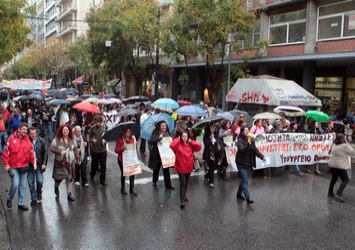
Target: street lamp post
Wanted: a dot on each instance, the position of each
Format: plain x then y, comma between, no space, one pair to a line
224,92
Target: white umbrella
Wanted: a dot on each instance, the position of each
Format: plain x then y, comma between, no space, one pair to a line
92,100
292,111
267,115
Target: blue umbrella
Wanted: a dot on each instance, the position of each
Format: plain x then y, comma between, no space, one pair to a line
165,103
191,110
59,102
149,125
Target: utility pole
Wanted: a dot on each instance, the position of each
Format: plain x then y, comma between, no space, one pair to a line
224,92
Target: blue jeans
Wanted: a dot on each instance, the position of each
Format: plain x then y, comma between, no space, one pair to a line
3,138
47,126
18,181
32,177
297,168
243,186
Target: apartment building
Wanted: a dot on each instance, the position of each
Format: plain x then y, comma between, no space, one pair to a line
310,42
71,18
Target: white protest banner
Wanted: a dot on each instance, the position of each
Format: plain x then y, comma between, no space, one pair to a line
26,84
295,149
199,154
167,156
130,161
231,153
111,119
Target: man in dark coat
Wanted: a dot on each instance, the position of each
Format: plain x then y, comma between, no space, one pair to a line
155,163
36,175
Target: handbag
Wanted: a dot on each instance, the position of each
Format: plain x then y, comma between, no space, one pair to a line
60,174
196,163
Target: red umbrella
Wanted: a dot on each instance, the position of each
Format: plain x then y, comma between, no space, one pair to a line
86,106
183,103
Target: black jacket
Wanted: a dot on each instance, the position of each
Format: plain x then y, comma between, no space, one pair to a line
154,156
41,152
246,153
35,120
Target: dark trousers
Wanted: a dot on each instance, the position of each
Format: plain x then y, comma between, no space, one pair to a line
212,165
344,180
184,180
123,178
166,174
80,171
142,146
96,159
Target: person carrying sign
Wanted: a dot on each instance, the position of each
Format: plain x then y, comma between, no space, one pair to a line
155,162
125,138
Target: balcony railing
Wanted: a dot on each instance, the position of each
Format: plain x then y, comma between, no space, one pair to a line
67,10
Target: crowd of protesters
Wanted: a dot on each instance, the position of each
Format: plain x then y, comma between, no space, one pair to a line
75,137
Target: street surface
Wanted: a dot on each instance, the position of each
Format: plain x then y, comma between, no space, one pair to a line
290,212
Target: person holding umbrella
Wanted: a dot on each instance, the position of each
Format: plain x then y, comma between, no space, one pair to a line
160,131
184,148
125,138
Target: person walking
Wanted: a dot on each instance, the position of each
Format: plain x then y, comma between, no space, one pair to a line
80,158
184,148
16,158
155,163
125,138
64,150
245,159
314,128
211,153
46,117
35,175
339,162
98,150
15,120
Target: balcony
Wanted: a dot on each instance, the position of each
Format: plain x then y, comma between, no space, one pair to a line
67,10
67,28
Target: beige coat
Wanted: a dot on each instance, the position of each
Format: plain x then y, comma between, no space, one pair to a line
340,156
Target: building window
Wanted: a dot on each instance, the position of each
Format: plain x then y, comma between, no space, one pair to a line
288,27
254,36
336,21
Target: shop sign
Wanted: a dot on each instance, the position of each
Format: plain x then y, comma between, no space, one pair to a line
329,82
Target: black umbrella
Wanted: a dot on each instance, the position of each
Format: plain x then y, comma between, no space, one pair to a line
57,94
114,133
206,121
136,98
127,112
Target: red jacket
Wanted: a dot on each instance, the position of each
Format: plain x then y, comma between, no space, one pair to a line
119,145
184,159
19,152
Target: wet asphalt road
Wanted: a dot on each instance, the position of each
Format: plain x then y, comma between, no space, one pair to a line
290,212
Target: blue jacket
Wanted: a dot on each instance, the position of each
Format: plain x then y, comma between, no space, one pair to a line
15,122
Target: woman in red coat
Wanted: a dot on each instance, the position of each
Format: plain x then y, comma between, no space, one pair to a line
184,148
125,138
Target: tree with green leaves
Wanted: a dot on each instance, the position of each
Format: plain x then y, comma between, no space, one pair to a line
49,57
133,28
205,27
14,28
